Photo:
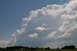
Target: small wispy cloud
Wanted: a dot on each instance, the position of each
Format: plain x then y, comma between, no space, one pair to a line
33,35
41,28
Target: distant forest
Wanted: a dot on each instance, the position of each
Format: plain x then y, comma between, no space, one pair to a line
32,48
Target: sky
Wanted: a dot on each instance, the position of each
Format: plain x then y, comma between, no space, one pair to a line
12,12
38,23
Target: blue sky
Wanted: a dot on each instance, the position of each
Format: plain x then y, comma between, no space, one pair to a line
12,12
38,23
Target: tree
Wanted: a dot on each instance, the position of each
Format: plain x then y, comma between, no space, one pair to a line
69,47
1,48
47,48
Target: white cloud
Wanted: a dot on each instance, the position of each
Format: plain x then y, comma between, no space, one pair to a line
44,24
3,43
72,17
23,30
55,10
41,28
12,41
64,26
33,35
70,32
6,43
71,6
64,35
24,25
52,34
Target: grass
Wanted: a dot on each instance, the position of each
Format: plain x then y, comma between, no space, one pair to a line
46,50
59,50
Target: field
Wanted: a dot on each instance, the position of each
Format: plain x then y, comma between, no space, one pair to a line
59,50
45,50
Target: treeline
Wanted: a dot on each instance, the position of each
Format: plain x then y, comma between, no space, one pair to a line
31,48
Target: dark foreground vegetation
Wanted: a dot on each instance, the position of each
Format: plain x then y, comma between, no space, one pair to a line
21,48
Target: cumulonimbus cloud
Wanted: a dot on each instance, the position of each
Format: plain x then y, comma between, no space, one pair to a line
53,24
